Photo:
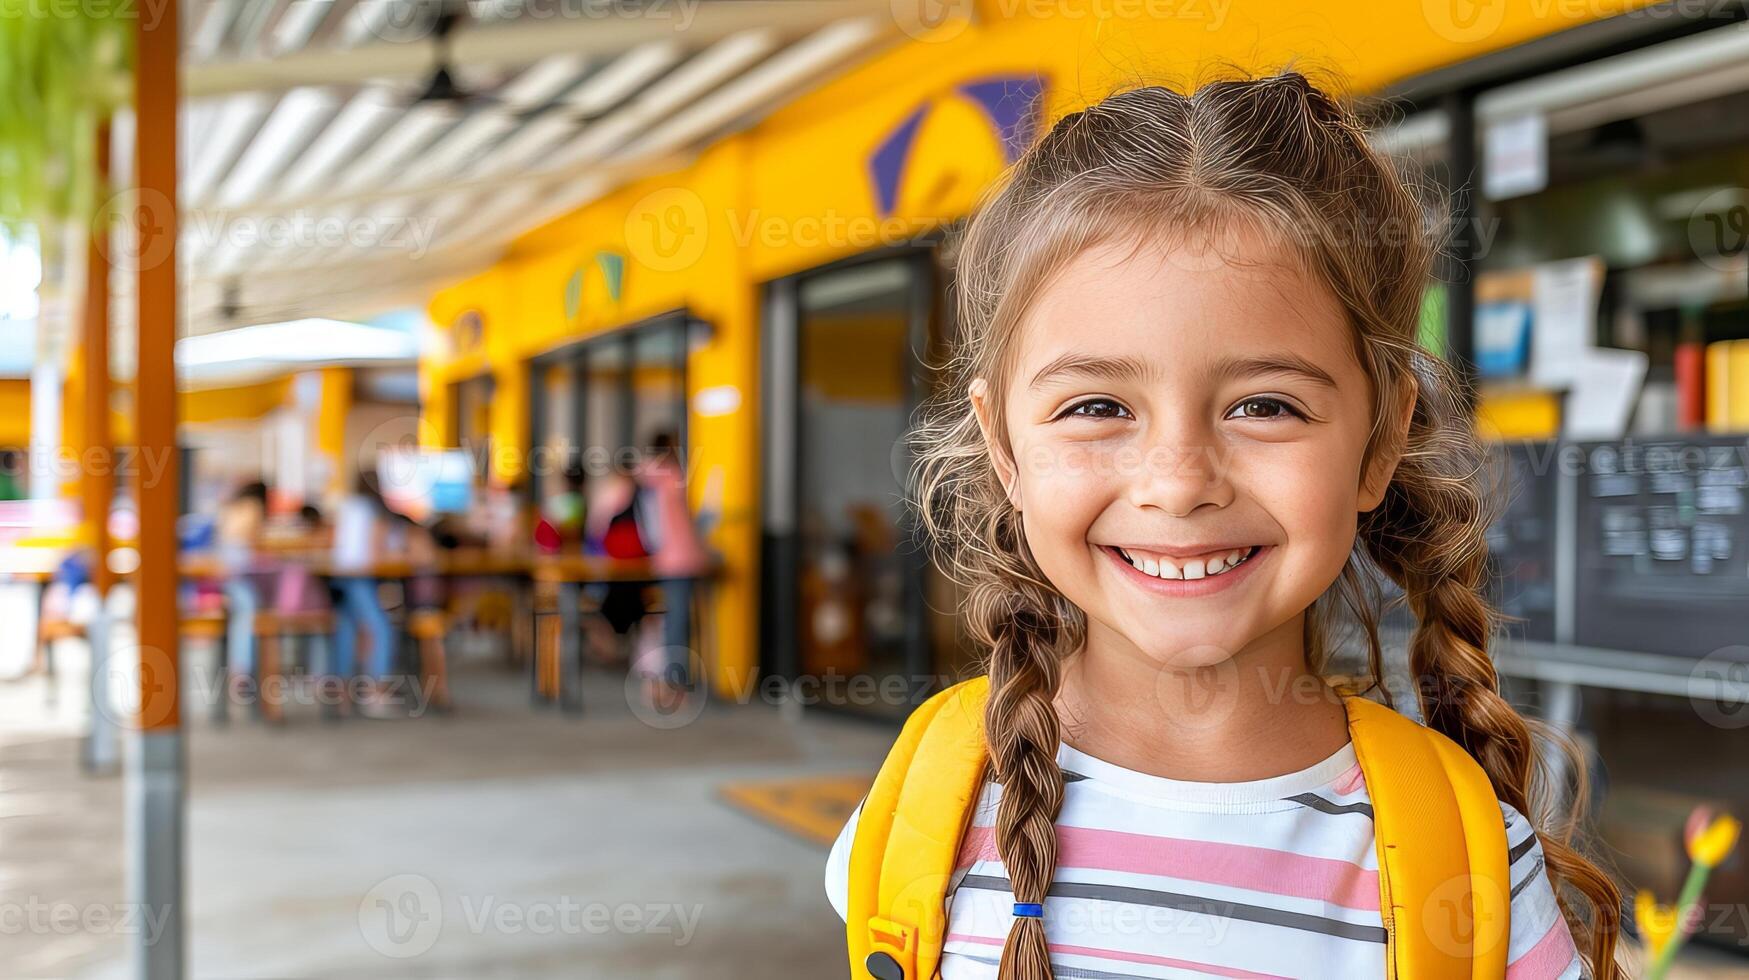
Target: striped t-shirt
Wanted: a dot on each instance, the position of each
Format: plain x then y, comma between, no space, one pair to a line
1166,878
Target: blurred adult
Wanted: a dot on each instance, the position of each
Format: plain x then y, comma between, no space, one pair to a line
677,556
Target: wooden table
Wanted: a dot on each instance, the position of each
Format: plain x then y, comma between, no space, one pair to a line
469,562
570,573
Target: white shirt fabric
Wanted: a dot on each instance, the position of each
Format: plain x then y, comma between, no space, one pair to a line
1168,878
354,531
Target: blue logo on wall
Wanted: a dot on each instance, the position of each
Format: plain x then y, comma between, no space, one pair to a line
1010,102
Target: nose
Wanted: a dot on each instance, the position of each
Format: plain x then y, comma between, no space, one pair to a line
1182,469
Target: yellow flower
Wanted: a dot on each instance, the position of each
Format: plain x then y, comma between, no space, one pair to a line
1657,922
1711,846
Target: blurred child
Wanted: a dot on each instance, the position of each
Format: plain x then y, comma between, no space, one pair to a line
564,510
610,529
361,526
237,530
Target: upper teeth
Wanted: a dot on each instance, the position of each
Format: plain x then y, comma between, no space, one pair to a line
1160,566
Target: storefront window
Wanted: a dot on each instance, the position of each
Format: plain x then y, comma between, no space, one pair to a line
658,384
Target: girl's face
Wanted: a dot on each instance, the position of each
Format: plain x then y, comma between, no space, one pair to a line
1185,428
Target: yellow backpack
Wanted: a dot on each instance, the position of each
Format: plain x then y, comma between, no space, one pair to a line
1443,886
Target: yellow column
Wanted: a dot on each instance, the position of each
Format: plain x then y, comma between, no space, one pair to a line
331,424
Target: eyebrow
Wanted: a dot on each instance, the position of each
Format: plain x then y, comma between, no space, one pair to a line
1135,369
1294,364
1111,368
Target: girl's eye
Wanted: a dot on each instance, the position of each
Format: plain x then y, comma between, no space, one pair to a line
1096,408
1264,408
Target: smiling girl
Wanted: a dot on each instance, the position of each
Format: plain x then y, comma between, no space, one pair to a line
1190,423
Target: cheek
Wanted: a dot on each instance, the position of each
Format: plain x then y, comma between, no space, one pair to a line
1311,494
1063,490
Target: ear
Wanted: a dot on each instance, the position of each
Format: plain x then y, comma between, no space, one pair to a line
1383,466
979,394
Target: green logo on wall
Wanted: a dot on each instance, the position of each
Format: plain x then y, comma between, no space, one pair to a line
612,266
574,293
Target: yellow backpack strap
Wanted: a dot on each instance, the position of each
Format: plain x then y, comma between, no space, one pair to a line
1443,879
908,837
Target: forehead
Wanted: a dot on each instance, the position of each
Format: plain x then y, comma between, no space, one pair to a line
1187,305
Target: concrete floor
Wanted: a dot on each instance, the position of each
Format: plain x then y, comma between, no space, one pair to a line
501,841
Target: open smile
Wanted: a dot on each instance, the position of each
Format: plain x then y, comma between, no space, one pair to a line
1203,575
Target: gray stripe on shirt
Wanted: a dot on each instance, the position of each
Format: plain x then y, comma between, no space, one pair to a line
1331,807
1059,969
1195,904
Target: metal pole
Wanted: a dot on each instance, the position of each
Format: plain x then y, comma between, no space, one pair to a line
155,784
97,482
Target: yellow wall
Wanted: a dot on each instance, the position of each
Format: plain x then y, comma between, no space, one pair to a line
15,412
793,194
234,404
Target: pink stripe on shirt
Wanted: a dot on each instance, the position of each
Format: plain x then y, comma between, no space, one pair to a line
1350,782
1260,869
1212,969
1549,958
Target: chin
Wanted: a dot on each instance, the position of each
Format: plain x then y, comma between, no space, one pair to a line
1185,652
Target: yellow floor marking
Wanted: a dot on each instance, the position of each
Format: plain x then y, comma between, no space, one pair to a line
812,807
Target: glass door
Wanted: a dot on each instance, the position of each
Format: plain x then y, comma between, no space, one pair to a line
853,617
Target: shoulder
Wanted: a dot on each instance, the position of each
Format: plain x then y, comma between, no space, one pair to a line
1540,946
953,758
838,866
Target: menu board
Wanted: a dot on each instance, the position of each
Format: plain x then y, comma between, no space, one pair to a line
1663,545
1521,541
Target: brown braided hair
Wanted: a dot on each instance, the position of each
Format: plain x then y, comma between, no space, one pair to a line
1151,162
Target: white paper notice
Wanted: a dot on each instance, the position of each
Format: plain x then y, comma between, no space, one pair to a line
1563,323
1605,389
1515,157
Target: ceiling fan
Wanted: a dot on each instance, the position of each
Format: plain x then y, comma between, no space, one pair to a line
442,89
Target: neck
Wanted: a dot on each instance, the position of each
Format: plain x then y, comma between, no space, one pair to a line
1258,714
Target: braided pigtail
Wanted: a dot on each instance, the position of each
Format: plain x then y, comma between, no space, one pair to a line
1428,536
1011,611
1021,726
